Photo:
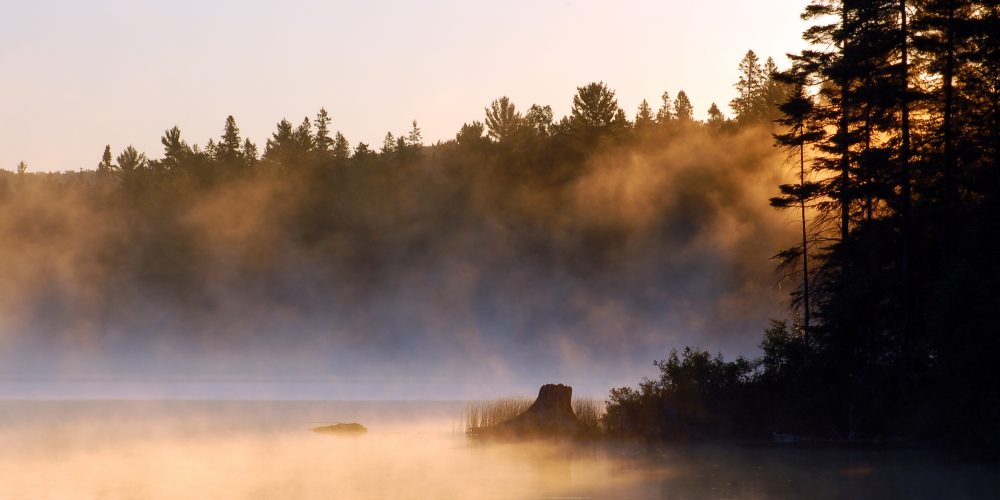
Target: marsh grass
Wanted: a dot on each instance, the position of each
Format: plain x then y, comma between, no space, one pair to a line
479,414
487,413
590,412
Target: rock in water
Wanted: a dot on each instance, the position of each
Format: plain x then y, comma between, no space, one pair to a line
351,429
551,415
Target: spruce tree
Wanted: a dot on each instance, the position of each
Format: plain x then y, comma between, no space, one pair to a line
341,148
279,149
303,138
324,143
800,131
644,116
747,104
665,114
388,145
249,153
229,150
105,166
715,117
683,109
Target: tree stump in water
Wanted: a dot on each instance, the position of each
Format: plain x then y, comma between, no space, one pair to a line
551,415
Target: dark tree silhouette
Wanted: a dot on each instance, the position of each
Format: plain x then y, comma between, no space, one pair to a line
105,166
750,87
130,161
715,117
324,143
502,119
229,150
665,115
683,109
644,119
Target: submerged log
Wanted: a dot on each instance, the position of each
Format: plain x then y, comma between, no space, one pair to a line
351,429
551,415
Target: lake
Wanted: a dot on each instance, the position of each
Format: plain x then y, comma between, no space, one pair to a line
265,449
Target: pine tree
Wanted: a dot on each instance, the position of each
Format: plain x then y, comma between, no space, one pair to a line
229,150
249,153
303,138
363,153
388,145
471,135
774,93
212,150
595,109
798,112
715,117
131,161
503,119
644,116
105,166
175,150
415,138
539,119
683,109
341,148
324,144
747,104
665,114
280,148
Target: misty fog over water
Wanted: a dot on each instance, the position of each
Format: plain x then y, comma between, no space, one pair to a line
450,277
152,450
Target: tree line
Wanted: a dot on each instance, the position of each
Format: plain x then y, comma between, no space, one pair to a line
595,119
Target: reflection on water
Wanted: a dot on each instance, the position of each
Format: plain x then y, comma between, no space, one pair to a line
412,450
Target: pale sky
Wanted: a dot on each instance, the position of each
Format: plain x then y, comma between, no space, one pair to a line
76,75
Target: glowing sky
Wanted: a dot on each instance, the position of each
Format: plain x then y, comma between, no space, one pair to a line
75,76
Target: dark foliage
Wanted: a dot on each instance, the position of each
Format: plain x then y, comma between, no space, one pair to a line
900,189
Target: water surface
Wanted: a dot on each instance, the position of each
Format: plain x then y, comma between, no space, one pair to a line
249,449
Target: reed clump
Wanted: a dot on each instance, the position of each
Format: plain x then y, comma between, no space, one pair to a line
590,413
487,413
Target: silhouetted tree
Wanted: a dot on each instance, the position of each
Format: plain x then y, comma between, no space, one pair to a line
105,166
324,143
502,119
282,147
175,150
250,154
665,115
539,119
715,117
747,105
363,153
683,109
341,148
595,115
229,150
471,135
130,160
774,93
644,116
388,145
798,111
303,138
